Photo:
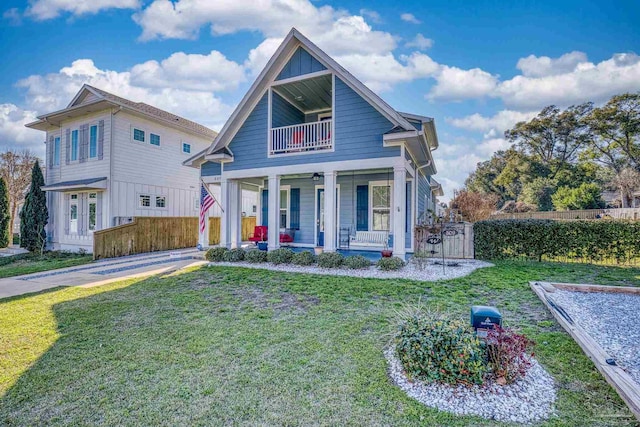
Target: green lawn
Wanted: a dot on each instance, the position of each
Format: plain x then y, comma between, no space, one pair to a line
33,263
221,346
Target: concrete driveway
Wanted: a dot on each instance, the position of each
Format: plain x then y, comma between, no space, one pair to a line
102,272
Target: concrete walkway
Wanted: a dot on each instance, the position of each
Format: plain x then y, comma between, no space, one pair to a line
102,272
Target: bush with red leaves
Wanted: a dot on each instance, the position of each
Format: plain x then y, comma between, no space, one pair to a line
509,354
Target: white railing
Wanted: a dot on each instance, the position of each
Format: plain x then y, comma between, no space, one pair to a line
301,138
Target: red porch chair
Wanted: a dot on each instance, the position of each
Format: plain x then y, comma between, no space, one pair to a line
260,234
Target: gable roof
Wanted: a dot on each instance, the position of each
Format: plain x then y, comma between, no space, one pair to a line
103,97
280,58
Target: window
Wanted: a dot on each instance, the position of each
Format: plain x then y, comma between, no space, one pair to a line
73,214
74,145
145,201
154,139
56,151
138,135
93,142
284,208
380,207
161,202
324,116
186,148
93,205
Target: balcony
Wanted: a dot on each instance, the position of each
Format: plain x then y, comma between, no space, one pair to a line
300,138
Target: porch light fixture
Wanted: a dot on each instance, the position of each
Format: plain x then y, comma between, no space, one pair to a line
316,176
299,98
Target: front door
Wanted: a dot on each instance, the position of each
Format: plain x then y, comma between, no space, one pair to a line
320,216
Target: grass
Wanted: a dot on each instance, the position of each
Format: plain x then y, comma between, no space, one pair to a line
220,346
33,263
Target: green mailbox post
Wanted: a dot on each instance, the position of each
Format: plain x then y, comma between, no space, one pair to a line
484,318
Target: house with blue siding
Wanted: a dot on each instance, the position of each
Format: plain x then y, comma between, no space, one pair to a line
334,166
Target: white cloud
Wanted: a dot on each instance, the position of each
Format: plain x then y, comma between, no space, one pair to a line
587,82
41,10
456,84
409,17
420,42
372,15
212,72
46,93
260,55
540,66
499,122
489,146
13,133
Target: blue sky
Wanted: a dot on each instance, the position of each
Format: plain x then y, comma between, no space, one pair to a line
476,67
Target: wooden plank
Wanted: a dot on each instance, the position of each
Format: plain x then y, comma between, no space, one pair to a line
579,287
621,381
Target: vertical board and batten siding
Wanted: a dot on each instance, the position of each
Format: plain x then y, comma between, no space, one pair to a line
359,128
423,189
142,168
91,168
301,62
283,113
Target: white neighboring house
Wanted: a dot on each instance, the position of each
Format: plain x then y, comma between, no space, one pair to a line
109,159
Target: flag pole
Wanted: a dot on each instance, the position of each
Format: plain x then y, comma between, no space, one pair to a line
206,187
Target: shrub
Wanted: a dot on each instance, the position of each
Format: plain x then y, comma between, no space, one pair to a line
432,347
357,262
255,256
234,255
280,256
216,254
509,354
304,258
330,260
390,263
543,238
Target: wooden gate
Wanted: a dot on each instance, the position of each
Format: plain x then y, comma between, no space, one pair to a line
454,240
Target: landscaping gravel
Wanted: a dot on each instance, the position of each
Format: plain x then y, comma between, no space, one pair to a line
612,321
528,400
429,272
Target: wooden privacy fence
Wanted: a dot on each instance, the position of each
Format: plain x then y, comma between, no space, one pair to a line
617,213
455,240
150,234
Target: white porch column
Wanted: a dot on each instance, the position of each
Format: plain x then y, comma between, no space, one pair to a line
259,206
225,213
235,207
399,210
330,204
274,212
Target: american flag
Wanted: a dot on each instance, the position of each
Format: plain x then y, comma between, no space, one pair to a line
206,201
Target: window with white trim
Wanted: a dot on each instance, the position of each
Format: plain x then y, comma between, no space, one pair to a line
154,139
284,208
161,202
138,135
93,210
186,148
74,145
73,214
380,207
144,201
93,141
56,151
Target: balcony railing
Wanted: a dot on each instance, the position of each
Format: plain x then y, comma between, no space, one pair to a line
303,137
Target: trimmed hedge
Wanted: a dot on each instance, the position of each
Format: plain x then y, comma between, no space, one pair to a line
234,255
593,240
330,260
280,256
357,262
304,258
390,263
216,254
255,256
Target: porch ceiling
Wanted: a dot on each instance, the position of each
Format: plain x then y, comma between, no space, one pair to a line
308,95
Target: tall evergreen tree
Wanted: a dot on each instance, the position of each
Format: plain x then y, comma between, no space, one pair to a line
34,215
5,216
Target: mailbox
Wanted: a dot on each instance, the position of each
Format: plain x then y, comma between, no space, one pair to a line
484,318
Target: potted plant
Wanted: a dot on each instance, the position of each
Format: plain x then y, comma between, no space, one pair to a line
318,250
386,252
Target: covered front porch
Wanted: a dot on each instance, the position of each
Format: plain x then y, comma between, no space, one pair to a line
365,210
